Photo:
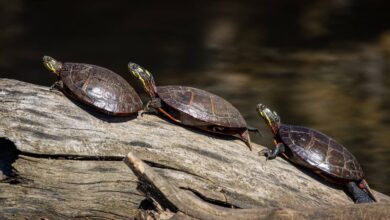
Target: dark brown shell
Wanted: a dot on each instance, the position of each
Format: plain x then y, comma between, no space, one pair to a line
317,151
100,88
202,105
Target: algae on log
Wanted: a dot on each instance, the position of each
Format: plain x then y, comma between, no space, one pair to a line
69,162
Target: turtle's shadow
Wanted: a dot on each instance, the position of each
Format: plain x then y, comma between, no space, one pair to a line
97,113
316,177
196,130
322,180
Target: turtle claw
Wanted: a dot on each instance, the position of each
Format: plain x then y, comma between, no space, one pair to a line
146,110
56,85
52,87
268,153
141,113
265,152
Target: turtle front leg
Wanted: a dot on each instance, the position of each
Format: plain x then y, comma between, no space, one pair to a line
271,154
57,85
150,107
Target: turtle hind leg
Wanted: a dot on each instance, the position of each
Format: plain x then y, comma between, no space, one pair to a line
367,189
244,136
360,194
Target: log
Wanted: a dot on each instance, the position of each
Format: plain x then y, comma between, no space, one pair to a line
62,159
187,206
61,189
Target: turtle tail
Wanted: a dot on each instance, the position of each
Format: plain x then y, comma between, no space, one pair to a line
361,192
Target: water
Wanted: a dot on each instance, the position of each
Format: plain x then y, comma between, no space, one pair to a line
321,64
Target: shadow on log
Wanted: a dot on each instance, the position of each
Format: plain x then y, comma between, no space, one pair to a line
64,161
169,197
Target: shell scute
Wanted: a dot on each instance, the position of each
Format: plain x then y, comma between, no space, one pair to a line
101,88
336,158
336,146
318,151
315,150
202,105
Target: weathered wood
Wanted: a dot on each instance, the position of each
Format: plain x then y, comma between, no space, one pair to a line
187,206
54,189
43,123
169,195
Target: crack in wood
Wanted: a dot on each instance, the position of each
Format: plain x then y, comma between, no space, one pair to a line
162,166
211,200
73,157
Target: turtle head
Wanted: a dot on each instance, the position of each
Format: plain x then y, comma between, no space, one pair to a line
52,65
145,77
270,117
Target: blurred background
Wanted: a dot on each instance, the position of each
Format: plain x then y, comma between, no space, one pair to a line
319,63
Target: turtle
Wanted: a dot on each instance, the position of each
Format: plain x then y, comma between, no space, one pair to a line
95,86
193,107
319,153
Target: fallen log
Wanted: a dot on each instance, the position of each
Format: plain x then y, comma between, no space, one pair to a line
61,159
168,197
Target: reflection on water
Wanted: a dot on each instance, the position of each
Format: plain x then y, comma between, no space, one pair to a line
317,63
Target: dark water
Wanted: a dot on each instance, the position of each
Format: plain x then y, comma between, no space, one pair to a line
322,64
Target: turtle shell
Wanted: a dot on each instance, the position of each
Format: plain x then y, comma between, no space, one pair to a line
100,88
202,106
317,151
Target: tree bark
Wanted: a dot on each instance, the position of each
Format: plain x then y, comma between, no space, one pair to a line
62,159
